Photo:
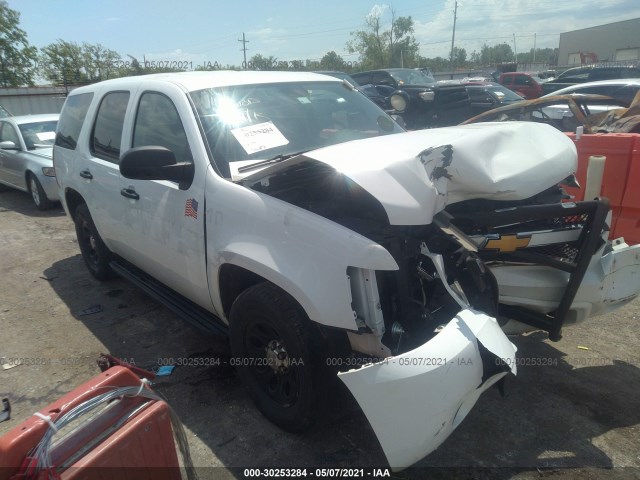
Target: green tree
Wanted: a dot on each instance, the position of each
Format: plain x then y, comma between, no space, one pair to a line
100,62
497,54
380,47
459,57
63,63
260,62
543,55
17,57
332,61
437,64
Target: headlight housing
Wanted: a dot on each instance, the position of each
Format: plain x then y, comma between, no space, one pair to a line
398,102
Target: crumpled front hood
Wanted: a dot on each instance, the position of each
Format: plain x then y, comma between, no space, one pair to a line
414,175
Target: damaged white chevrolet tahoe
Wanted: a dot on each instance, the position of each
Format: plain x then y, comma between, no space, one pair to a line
289,212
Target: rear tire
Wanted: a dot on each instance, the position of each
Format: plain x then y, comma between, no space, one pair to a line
38,195
95,253
278,356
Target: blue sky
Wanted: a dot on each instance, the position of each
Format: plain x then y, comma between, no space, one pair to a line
201,31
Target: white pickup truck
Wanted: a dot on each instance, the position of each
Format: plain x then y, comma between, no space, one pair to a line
291,213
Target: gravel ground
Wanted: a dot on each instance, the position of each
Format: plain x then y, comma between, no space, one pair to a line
570,412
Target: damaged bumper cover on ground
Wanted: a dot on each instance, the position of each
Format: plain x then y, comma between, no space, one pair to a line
432,388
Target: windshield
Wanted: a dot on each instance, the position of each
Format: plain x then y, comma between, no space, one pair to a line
409,76
504,94
38,134
258,122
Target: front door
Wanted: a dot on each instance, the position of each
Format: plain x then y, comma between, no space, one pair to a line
168,238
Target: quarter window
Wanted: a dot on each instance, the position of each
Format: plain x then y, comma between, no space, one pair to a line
107,130
158,123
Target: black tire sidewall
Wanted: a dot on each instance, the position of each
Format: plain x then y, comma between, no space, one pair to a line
282,313
100,269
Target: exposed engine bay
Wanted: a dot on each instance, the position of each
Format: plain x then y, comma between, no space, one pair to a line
413,300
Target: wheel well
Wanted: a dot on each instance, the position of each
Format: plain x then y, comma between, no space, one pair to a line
73,199
27,174
234,280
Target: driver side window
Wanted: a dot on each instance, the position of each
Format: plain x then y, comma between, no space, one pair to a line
158,124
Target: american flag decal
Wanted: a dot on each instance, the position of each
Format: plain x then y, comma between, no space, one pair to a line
191,208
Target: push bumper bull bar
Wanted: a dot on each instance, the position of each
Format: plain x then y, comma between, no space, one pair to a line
592,217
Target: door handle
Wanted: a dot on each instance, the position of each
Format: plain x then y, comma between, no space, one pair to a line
86,174
129,193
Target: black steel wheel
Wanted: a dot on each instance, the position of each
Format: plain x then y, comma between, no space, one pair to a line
277,355
95,253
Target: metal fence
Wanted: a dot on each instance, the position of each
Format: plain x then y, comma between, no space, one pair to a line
31,100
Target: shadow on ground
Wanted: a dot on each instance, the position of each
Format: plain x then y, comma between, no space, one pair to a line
552,417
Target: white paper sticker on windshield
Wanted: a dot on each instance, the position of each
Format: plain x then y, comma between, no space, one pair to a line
261,136
44,136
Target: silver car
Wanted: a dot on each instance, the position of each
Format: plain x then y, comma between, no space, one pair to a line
26,146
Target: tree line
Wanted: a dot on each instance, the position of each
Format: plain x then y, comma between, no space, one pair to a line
376,45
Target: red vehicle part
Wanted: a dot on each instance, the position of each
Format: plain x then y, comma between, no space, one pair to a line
131,438
621,178
522,83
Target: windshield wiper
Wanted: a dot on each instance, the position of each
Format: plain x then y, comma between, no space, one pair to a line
277,159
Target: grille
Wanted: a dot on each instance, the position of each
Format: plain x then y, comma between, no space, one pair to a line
565,252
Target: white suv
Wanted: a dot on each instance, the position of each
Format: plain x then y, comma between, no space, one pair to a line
289,211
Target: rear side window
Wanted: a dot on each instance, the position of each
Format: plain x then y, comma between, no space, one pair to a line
158,123
71,120
107,129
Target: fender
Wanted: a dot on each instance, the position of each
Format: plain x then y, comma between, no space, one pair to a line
303,253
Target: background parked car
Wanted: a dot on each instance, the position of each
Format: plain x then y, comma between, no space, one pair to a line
426,104
379,94
589,74
526,84
487,96
25,156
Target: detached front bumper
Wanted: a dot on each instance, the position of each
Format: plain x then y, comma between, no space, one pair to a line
415,400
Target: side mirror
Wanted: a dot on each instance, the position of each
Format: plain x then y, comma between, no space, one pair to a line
8,145
155,163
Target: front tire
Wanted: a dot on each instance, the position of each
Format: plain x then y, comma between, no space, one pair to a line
38,194
277,353
95,253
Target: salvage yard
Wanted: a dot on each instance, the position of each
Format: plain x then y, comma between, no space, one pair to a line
573,411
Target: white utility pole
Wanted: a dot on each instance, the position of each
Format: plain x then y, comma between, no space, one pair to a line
453,37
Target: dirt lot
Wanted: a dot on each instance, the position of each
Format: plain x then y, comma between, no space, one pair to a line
570,412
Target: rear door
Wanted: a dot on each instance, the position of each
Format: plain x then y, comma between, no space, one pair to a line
100,174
